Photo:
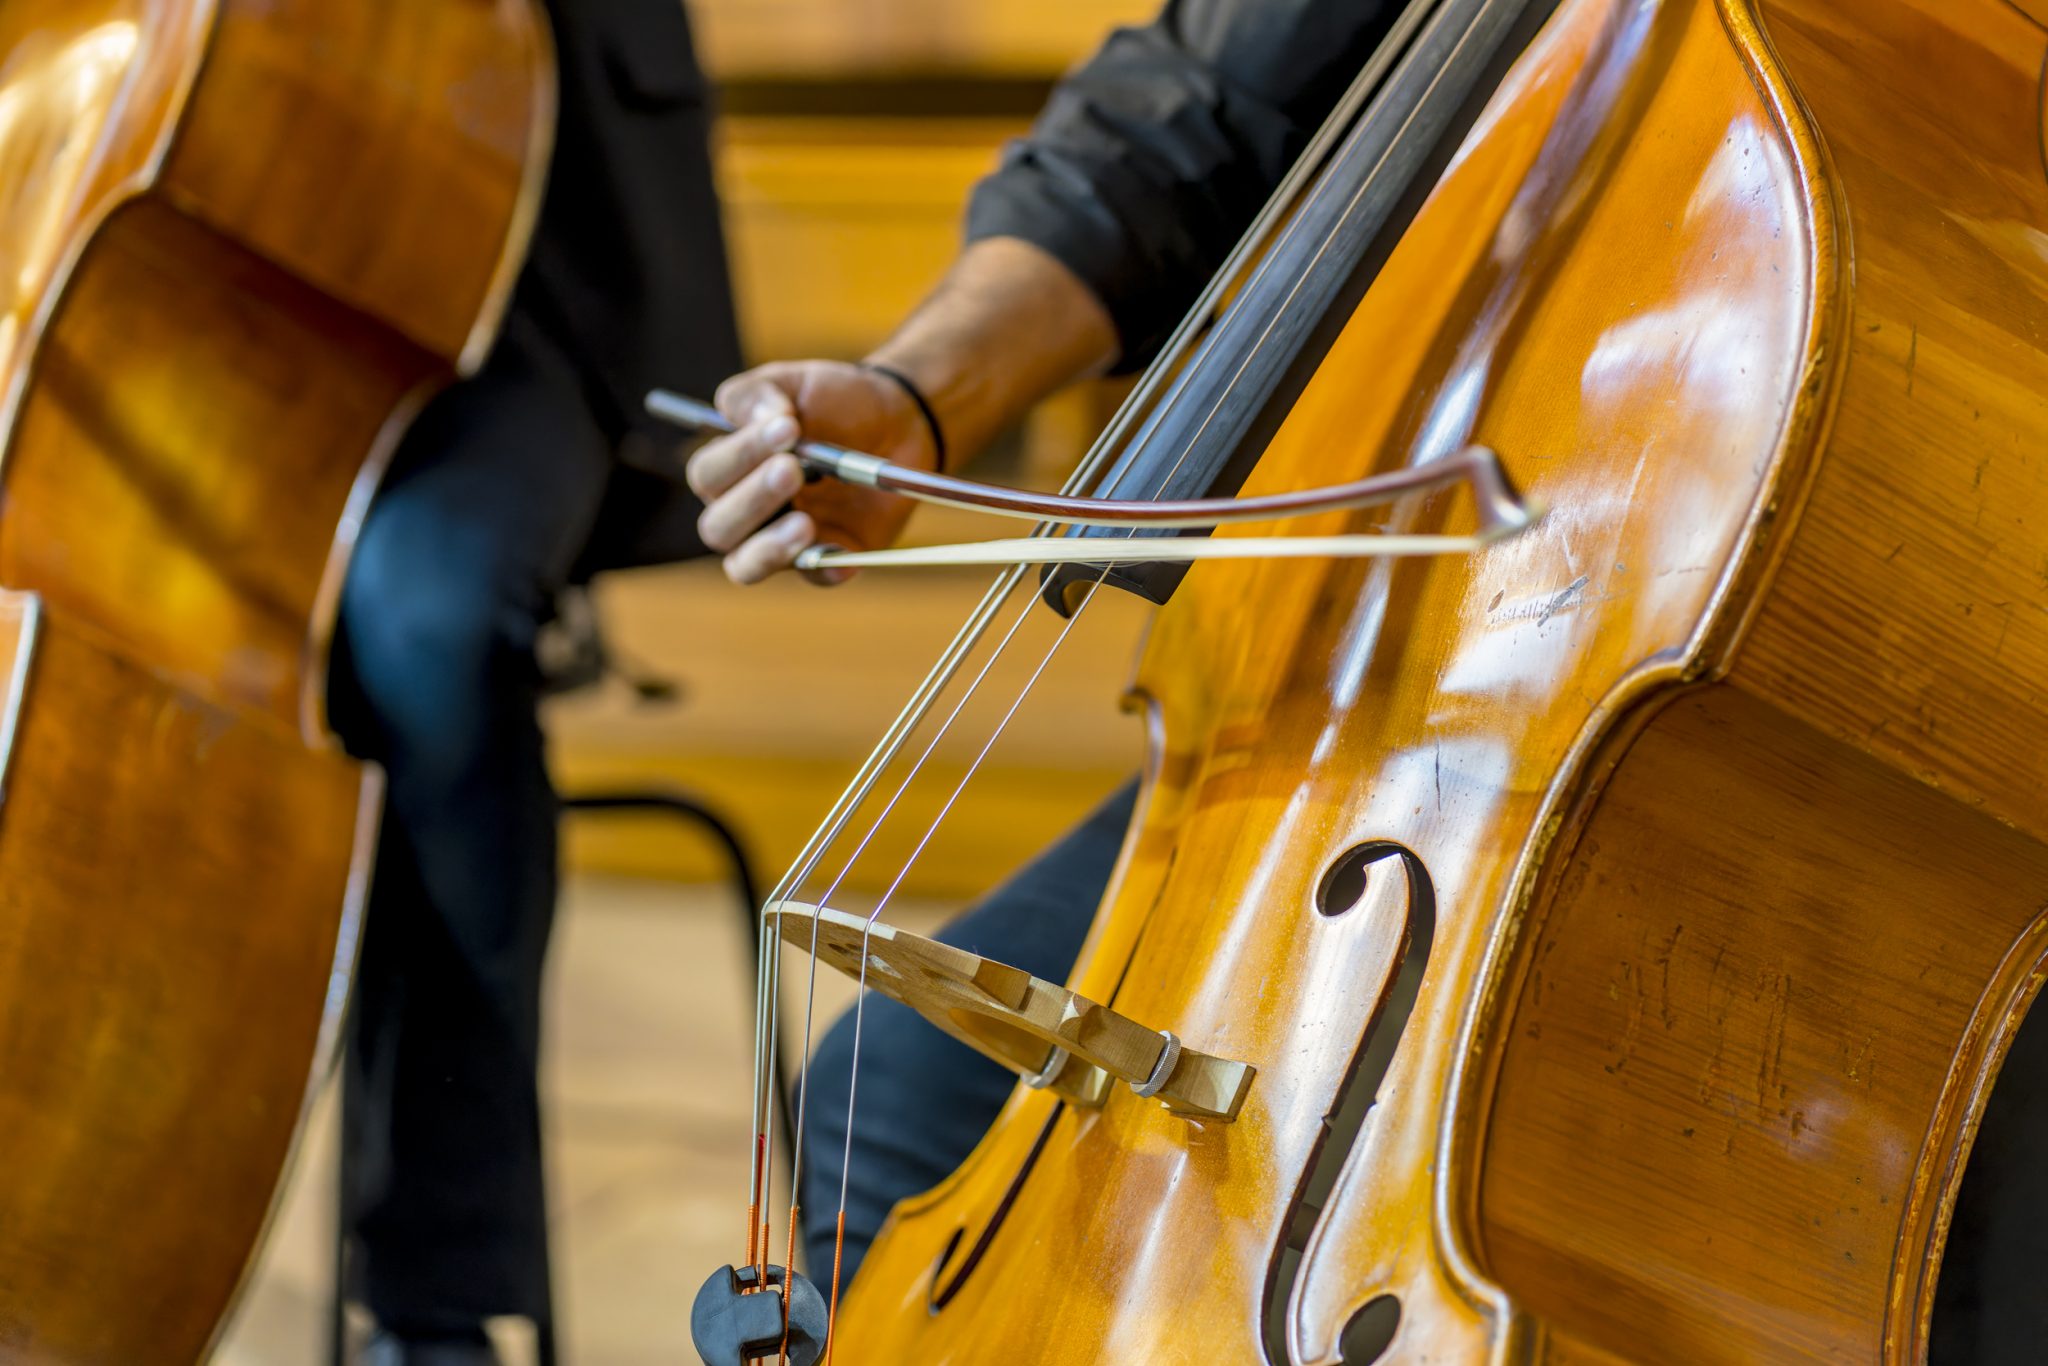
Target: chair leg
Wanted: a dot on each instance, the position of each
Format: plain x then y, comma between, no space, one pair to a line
749,894
337,1303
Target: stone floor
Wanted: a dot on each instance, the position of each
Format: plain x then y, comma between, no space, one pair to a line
647,1083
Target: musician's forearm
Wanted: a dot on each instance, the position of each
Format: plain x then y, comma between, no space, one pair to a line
1007,326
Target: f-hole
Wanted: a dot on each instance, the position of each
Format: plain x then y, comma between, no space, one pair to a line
1341,891
943,1287
1989,1270
1371,1331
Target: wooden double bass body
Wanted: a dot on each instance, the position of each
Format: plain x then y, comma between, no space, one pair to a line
1707,817
240,242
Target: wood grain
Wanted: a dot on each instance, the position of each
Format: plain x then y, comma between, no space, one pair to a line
1726,776
241,243
176,930
1306,708
1740,1012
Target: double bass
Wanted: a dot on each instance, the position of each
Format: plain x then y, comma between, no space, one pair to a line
1594,944
241,242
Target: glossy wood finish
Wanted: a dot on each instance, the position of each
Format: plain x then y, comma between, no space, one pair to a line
1666,291
66,159
1760,962
176,930
1856,975
426,120
153,520
243,242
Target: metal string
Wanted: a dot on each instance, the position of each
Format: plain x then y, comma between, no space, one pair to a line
1180,342
767,979
860,998
811,987
1143,400
867,932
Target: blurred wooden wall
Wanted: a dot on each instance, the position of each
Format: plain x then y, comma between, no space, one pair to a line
850,134
834,39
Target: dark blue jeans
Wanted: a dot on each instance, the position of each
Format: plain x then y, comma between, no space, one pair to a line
925,1099
490,501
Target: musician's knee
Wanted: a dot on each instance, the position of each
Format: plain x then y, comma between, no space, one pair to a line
433,629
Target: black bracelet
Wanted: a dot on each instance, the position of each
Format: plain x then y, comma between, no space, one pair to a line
931,419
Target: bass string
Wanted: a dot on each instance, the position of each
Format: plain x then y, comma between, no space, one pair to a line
1221,395
1184,336
867,931
1129,415
767,982
867,927
1182,339
825,898
1137,407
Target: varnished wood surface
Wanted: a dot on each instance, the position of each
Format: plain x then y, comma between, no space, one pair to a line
1740,1014
65,67
175,936
246,241
1602,1137
437,129
167,511
1305,708
1908,619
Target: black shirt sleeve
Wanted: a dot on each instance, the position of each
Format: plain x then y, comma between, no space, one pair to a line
1154,155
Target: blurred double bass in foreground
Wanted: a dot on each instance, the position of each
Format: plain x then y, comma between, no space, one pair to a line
1623,923
241,241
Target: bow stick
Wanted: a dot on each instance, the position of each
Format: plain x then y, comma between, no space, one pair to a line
1503,511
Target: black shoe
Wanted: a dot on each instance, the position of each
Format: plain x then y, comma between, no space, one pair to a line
389,1349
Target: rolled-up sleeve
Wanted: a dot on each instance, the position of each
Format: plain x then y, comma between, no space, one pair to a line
1153,156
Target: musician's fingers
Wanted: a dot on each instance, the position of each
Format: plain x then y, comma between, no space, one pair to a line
759,394
739,511
719,465
774,549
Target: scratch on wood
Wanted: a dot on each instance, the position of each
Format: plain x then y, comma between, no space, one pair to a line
1632,1022
1711,1090
1563,598
1542,608
1663,961
1770,1085
1912,359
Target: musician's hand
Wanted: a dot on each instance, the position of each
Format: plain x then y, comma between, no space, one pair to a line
746,478
1007,326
